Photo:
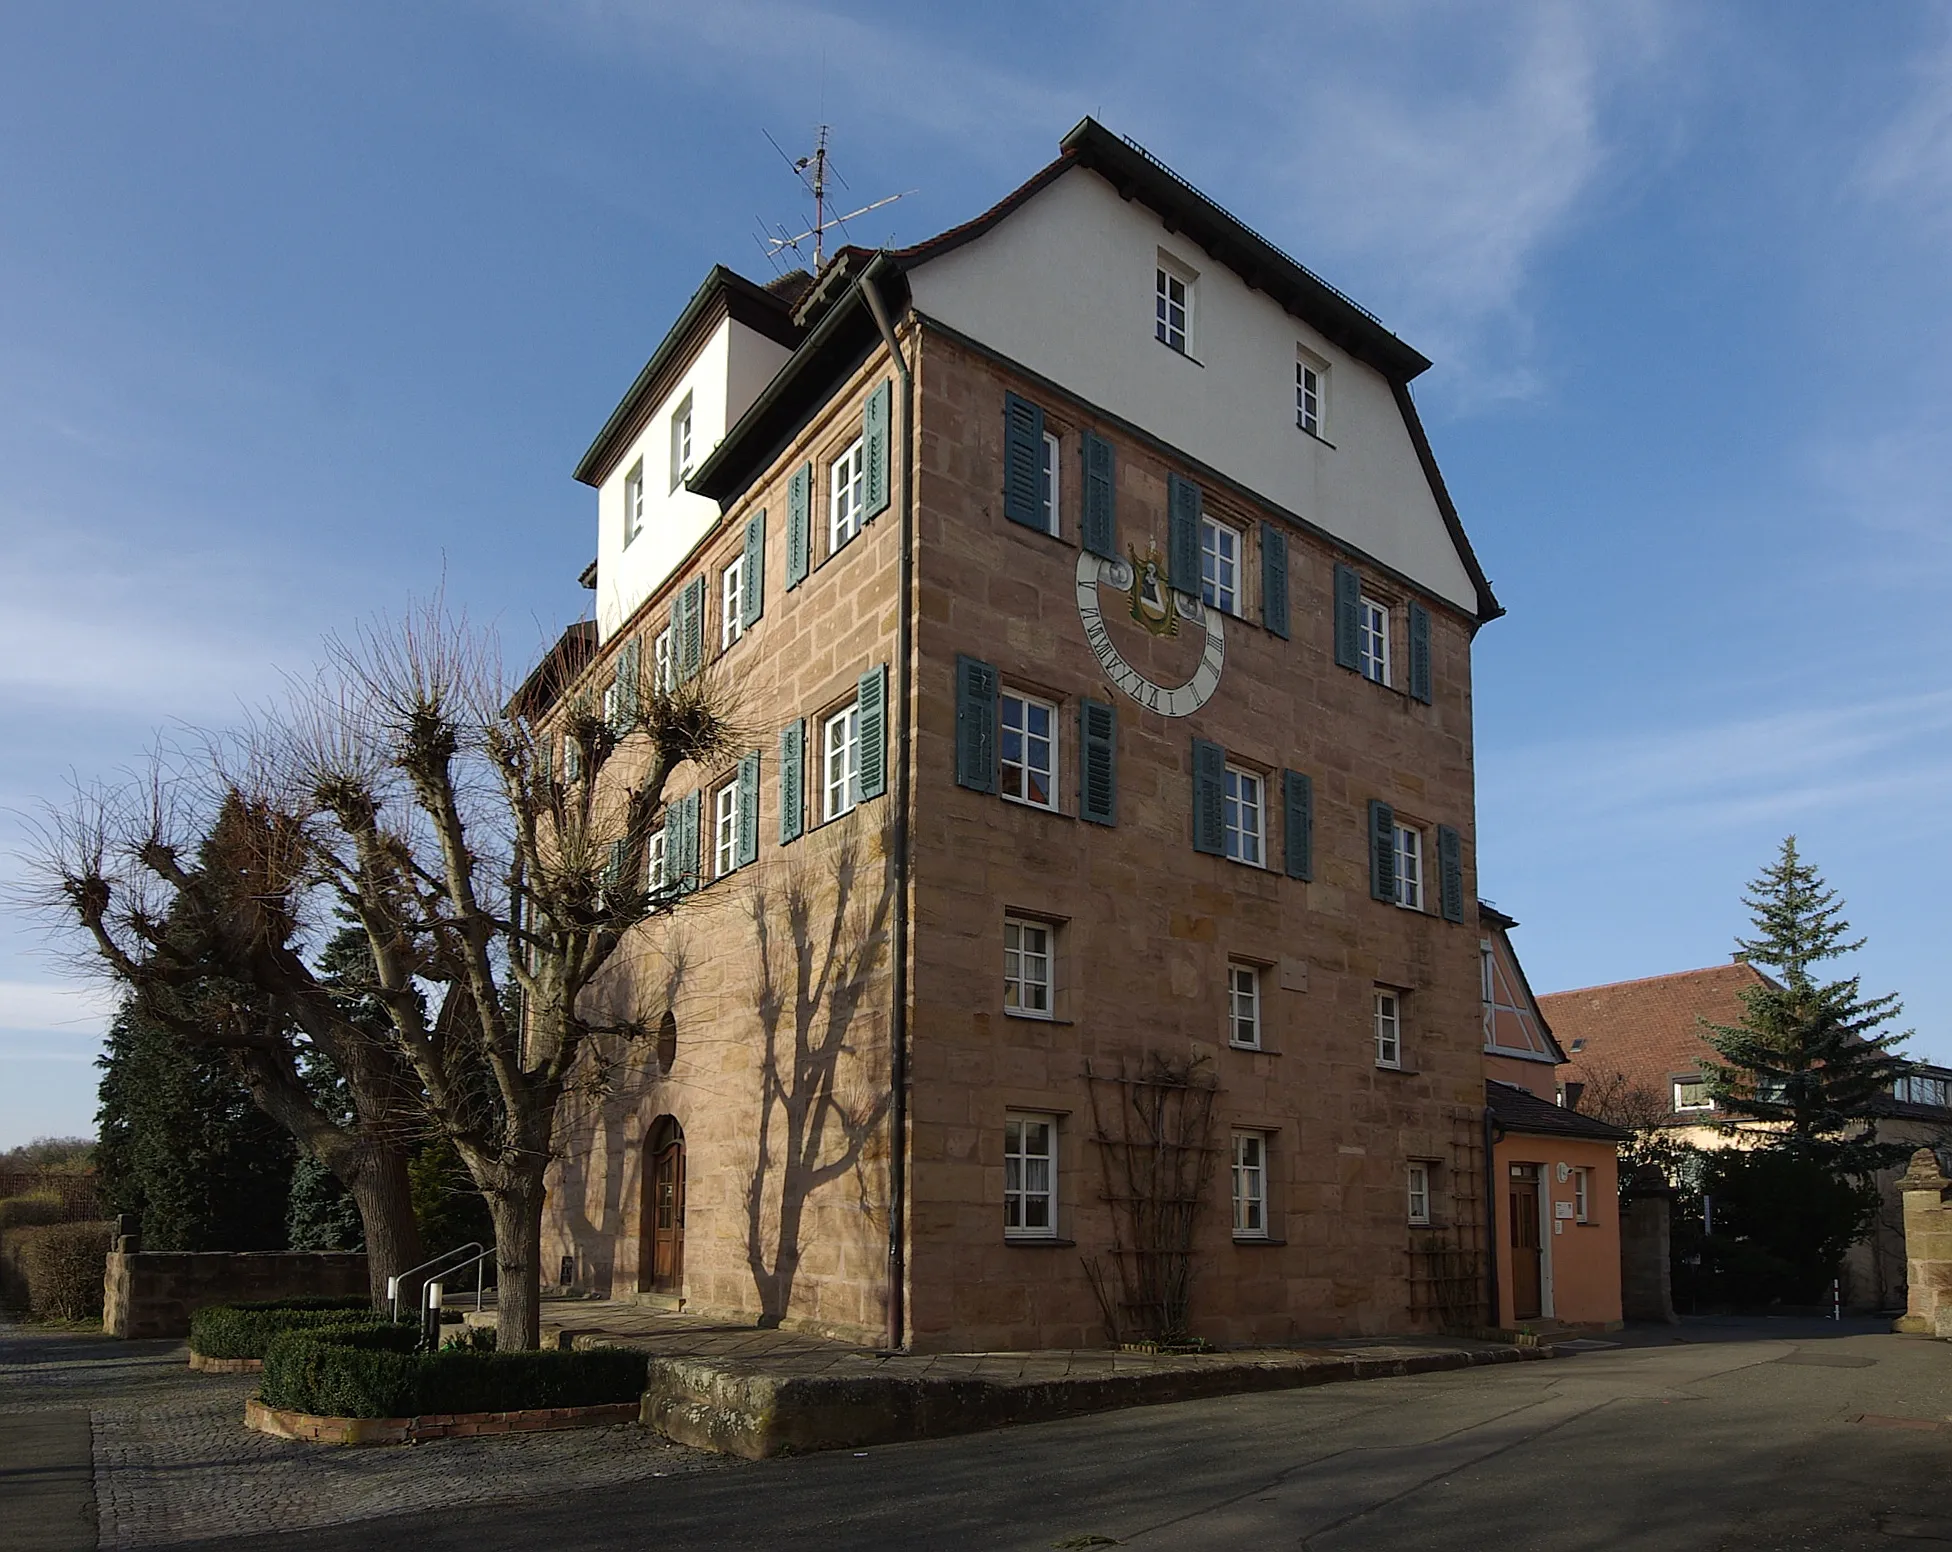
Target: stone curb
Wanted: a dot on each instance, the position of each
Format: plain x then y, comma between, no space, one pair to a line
205,1365
739,1409
309,1429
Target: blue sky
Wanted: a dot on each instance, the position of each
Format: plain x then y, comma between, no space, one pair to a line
304,310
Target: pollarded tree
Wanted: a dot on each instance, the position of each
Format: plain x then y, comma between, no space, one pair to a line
1808,1054
494,881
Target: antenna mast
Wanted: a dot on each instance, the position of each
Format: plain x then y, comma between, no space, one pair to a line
814,170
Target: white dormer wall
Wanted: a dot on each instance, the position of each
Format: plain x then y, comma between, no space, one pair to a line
730,369
1064,286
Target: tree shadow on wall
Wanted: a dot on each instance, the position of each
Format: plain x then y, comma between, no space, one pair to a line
821,928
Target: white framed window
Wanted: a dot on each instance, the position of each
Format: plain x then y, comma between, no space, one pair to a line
725,829
1374,659
1250,1185
841,762
847,492
610,704
1027,967
1048,480
1220,565
681,443
1914,1090
654,854
1582,1201
1244,814
1030,1177
1027,763
1692,1094
634,501
1419,1202
1244,1006
1389,1029
1311,396
1409,867
664,662
1173,307
732,602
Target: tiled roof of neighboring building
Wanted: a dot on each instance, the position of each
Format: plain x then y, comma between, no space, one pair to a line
1517,1111
1646,1032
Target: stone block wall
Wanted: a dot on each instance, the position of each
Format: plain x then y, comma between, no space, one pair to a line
153,1293
1646,1284
1928,1246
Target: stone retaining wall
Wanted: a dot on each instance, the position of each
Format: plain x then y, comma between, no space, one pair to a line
1928,1247
153,1293
309,1429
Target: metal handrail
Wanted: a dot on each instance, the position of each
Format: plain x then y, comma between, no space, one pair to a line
437,1262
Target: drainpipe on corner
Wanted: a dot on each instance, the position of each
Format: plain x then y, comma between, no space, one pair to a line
1491,1215
904,745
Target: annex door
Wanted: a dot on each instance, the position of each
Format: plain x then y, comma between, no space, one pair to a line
666,1207
1527,1272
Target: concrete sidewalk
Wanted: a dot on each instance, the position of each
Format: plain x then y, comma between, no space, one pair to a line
752,1393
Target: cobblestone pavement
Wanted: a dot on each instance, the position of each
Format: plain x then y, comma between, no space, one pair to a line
174,1462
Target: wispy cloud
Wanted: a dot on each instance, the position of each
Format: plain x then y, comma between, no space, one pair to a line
42,1006
1895,483
1773,767
1910,158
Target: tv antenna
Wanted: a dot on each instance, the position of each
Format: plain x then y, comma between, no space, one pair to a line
814,171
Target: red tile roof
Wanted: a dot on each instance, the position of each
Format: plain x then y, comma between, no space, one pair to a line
1647,1031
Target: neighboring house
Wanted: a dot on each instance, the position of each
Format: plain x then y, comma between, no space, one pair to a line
1555,1172
1110,784
1636,1049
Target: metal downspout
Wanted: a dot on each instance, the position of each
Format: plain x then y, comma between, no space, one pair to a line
904,746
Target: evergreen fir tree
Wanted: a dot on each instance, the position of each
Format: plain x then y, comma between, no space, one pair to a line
1808,1054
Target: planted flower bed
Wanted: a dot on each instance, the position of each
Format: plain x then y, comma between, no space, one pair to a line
368,1384
231,1338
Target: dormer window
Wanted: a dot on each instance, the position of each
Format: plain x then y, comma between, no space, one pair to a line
634,502
1692,1094
681,443
1173,306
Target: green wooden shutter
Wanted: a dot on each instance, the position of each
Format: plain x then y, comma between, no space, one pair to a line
1420,653
975,725
1274,580
692,648
1382,851
1209,806
1023,462
615,863
1450,872
1183,506
748,809
688,843
874,732
874,449
1097,762
678,600
799,525
572,758
752,573
1298,823
1100,525
1348,618
624,703
792,781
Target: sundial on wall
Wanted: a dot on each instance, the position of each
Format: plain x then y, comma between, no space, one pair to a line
1159,611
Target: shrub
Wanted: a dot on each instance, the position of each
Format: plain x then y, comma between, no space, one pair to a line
61,1266
244,1330
31,1211
373,1371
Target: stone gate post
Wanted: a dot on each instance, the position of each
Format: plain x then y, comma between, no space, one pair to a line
1928,1247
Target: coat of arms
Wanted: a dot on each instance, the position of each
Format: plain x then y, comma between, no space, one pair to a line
1153,604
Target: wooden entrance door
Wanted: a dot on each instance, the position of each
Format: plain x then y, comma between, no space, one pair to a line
668,1213
1527,1271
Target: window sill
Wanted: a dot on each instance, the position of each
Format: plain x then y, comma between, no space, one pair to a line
1034,1018
1041,808
1398,1068
1315,436
1184,355
1252,1050
1257,1239
1038,1242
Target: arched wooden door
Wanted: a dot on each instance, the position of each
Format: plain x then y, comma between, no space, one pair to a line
665,1207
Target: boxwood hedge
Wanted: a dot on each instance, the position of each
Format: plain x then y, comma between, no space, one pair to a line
374,1371
244,1330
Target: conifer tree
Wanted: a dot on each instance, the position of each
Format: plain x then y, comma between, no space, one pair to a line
1808,1054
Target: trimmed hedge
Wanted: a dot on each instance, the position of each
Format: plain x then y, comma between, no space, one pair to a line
59,1268
31,1211
244,1330
373,1371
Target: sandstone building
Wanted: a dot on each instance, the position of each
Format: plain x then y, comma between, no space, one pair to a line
1087,942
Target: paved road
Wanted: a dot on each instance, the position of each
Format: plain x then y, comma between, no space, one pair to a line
1739,1438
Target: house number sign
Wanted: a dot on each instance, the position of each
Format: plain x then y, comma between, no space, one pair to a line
1159,611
